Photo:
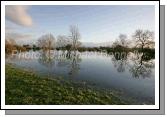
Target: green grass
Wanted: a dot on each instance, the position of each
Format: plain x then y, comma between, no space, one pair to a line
26,88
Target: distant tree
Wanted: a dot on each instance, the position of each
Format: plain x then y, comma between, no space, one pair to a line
143,38
75,37
123,40
62,41
10,41
27,46
46,42
35,47
9,45
68,47
121,43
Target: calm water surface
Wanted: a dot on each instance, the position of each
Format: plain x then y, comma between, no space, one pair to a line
130,74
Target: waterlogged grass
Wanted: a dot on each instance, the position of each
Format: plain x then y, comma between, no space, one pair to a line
24,87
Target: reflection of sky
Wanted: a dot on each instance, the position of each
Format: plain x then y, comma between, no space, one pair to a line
96,23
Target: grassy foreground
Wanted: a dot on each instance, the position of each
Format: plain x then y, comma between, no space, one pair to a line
24,87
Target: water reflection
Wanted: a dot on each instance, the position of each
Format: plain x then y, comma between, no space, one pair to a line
71,60
74,65
115,71
120,61
139,65
46,59
64,59
142,66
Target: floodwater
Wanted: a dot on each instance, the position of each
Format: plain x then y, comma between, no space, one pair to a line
131,74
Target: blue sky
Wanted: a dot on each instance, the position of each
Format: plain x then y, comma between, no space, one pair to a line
96,23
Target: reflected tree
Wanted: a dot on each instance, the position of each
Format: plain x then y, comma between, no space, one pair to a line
47,59
72,48
74,65
71,61
120,60
141,67
62,60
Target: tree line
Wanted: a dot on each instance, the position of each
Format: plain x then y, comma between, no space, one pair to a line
142,40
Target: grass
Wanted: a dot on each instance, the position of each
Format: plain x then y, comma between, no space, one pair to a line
27,88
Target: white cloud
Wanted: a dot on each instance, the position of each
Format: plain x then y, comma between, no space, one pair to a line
18,14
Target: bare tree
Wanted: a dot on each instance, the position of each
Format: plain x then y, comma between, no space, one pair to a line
75,37
123,40
10,41
46,42
143,38
62,41
120,43
10,45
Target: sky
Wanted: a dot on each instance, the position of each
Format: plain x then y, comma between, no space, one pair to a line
96,23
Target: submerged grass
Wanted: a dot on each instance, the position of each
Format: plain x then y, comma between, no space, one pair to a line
26,88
